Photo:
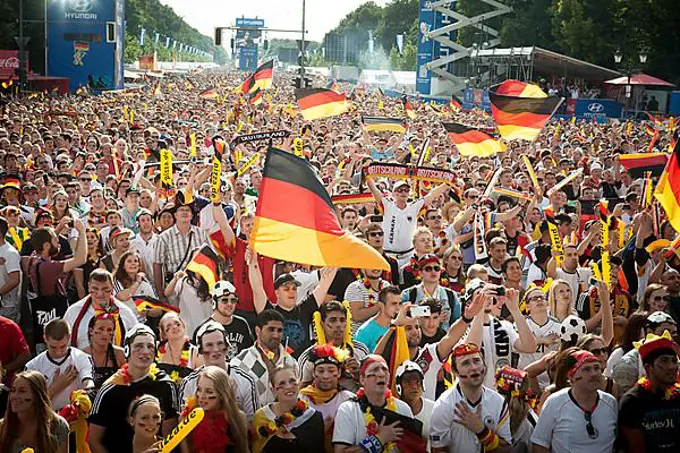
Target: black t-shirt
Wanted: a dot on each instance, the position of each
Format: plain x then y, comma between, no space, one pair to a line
308,437
342,280
438,335
110,408
4,396
655,416
297,324
238,333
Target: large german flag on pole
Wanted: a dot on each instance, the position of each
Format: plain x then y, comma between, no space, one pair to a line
520,109
296,221
315,103
667,191
471,141
375,124
261,78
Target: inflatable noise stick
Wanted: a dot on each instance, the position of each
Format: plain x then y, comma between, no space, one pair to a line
182,430
27,450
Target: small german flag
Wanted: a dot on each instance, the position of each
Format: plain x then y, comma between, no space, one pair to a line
520,109
145,302
306,231
472,142
315,103
157,90
455,103
205,265
667,191
358,198
638,164
188,85
409,108
210,93
376,124
255,97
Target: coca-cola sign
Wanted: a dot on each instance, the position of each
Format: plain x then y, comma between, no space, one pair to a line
9,63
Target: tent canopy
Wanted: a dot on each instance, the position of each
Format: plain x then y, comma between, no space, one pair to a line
640,79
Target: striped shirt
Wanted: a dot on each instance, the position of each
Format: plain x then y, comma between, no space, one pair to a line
246,394
171,247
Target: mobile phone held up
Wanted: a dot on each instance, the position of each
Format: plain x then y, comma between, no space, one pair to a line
419,312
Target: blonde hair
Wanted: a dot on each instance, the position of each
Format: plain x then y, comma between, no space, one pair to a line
164,318
224,387
552,300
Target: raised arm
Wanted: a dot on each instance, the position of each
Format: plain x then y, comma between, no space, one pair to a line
377,194
80,255
321,290
435,193
458,328
256,283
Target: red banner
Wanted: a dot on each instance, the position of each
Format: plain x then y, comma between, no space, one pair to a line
9,63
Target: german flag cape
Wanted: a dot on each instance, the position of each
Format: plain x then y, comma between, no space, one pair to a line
638,164
315,103
376,124
667,191
205,265
471,141
296,221
520,109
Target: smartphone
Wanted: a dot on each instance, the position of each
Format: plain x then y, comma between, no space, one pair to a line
419,312
376,219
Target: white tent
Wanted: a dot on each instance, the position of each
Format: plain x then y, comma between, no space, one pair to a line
404,80
376,78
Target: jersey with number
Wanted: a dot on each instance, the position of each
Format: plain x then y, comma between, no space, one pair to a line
552,326
446,432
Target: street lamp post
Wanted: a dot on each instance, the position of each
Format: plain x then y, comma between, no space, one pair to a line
618,59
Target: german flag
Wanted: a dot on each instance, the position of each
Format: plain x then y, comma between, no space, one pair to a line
639,163
472,142
188,85
157,90
210,93
521,110
255,98
358,198
307,230
205,265
261,78
315,103
409,109
455,103
376,124
395,352
667,192
145,302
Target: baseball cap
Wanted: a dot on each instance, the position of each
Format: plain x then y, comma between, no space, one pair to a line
283,279
660,317
400,183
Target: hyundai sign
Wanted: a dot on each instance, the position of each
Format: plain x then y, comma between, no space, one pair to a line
86,42
597,108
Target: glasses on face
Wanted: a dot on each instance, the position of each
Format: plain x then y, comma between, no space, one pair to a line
660,298
590,429
456,258
85,179
229,300
376,234
535,298
435,217
432,268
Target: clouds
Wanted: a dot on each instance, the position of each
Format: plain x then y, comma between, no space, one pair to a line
321,17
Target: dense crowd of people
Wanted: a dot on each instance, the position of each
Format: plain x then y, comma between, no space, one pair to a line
522,323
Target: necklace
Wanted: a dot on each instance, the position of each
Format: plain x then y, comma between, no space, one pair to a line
670,393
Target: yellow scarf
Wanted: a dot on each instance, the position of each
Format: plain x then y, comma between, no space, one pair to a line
317,396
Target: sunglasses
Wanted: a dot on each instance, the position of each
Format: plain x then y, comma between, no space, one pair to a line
229,300
376,234
432,269
592,431
660,298
435,217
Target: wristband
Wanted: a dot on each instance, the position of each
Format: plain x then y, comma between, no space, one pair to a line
371,444
465,319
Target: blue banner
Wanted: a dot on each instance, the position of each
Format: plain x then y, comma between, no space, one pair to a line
598,108
247,58
426,22
79,47
248,22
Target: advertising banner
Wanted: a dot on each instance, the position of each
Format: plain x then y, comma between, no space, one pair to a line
79,47
597,108
426,22
9,63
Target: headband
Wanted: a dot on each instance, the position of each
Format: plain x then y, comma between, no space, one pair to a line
328,354
582,357
465,349
370,360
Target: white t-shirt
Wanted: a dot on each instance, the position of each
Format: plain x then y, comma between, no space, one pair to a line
399,224
193,310
552,326
561,426
576,280
9,262
425,417
330,408
48,366
446,432
126,315
498,346
428,361
350,426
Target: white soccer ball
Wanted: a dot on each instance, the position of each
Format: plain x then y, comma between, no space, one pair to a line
572,328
